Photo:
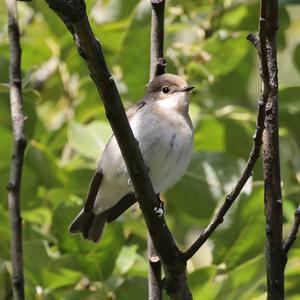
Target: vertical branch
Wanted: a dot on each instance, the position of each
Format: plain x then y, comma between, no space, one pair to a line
157,65
157,62
154,273
19,144
273,198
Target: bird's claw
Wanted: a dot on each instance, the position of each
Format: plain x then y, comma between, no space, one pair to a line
159,210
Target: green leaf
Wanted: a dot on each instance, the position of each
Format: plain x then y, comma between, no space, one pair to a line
6,147
112,10
62,277
36,39
241,17
95,260
203,284
43,164
133,286
234,241
290,110
287,2
135,53
40,216
36,262
4,88
126,259
242,281
29,104
209,177
79,181
5,234
208,127
296,57
292,274
234,49
89,140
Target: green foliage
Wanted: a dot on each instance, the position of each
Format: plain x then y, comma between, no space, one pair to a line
67,130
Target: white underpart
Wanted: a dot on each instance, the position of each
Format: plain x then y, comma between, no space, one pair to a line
166,143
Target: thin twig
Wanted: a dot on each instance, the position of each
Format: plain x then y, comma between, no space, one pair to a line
247,173
73,14
288,243
275,258
19,144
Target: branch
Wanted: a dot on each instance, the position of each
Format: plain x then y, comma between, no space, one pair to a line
293,233
275,258
157,67
73,14
154,273
254,39
19,144
247,173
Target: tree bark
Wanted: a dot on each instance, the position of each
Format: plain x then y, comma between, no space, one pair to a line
19,144
271,164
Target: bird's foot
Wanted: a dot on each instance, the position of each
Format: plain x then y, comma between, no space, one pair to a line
159,210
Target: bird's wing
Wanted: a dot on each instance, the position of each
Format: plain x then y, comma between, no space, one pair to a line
127,201
98,175
87,222
93,191
132,110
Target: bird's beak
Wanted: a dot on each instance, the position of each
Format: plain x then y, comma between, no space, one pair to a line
187,89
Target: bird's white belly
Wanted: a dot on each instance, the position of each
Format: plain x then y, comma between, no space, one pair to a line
166,154
166,146
166,149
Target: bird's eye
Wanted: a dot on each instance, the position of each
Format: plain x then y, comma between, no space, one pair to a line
165,90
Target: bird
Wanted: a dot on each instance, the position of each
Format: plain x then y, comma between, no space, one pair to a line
161,124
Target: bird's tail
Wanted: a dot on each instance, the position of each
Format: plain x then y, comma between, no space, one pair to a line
89,224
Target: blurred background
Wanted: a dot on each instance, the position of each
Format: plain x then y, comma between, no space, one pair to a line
205,41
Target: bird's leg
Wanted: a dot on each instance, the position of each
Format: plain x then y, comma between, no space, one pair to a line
159,209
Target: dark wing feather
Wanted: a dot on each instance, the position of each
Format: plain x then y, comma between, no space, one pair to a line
120,207
93,190
132,110
86,222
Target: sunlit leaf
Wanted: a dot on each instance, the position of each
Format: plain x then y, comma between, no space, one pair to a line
135,52
209,178
89,140
246,220
44,165
242,281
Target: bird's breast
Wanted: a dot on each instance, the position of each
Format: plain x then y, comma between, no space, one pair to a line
166,142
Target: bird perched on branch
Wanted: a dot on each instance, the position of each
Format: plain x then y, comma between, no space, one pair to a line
161,124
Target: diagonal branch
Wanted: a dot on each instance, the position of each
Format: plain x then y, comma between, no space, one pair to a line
288,243
19,144
73,14
247,173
